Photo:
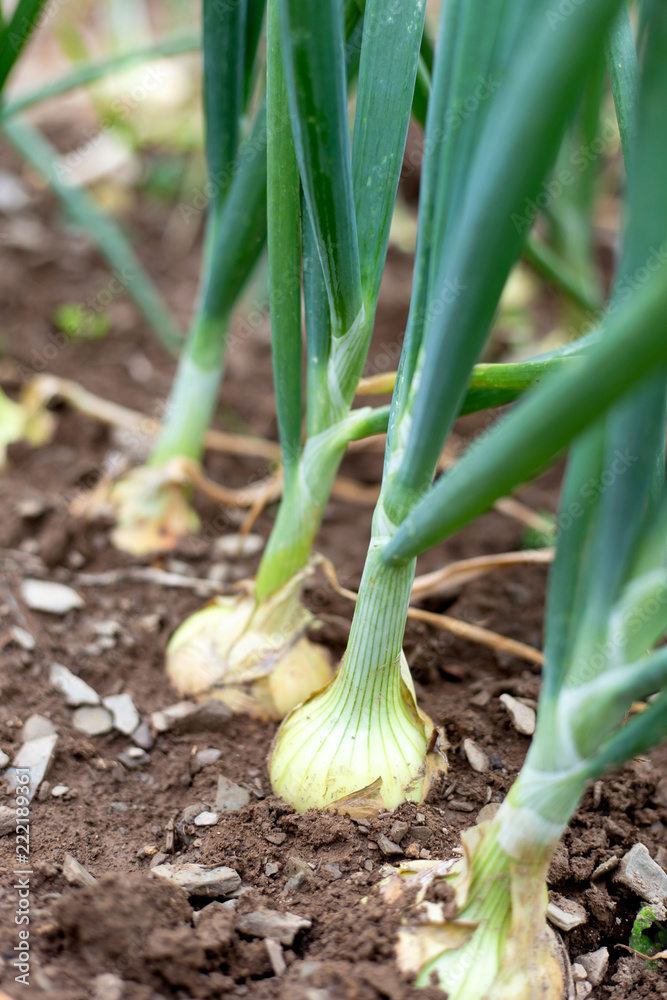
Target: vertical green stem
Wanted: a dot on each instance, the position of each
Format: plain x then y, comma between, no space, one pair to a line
194,393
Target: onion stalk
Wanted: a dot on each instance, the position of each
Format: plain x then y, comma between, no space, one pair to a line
466,247
606,609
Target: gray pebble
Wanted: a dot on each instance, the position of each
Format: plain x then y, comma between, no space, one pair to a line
52,598
75,690
92,720
282,927
640,873
36,726
197,880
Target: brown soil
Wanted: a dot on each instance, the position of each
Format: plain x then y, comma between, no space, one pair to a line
135,926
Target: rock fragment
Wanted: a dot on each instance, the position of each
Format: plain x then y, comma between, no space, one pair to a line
7,821
640,873
399,829
108,986
50,597
388,848
487,812
4,759
206,819
276,957
75,873
198,880
133,758
23,638
211,715
477,759
94,720
36,726
230,796
35,758
596,964
522,716
566,914
125,716
58,791
142,737
74,688
209,755
283,927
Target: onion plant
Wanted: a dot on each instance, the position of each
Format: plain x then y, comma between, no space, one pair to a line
475,179
606,606
329,212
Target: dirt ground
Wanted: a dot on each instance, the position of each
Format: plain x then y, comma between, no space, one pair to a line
132,935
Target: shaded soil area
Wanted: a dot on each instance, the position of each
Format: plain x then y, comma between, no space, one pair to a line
133,935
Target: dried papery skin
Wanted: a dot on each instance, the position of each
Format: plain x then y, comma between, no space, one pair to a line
254,657
357,762
28,420
152,509
499,946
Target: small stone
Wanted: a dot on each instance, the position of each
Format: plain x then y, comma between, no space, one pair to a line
496,762
43,791
75,690
420,818
206,819
198,880
477,759
412,850
142,737
158,859
122,708
399,830
282,927
271,868
36,726
22,638
639,872
4,759
53,598
92,720
276,957
36,757
108,986
107,628
58,791
30,508
230,796
238,546
566,914
595,964
277,838
424,854
333,870
75,873
133,758
578,973
420,833
185,717
194,809
487,812
605,867
7,821
388,847
460,805
523,717
582,990
209,755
